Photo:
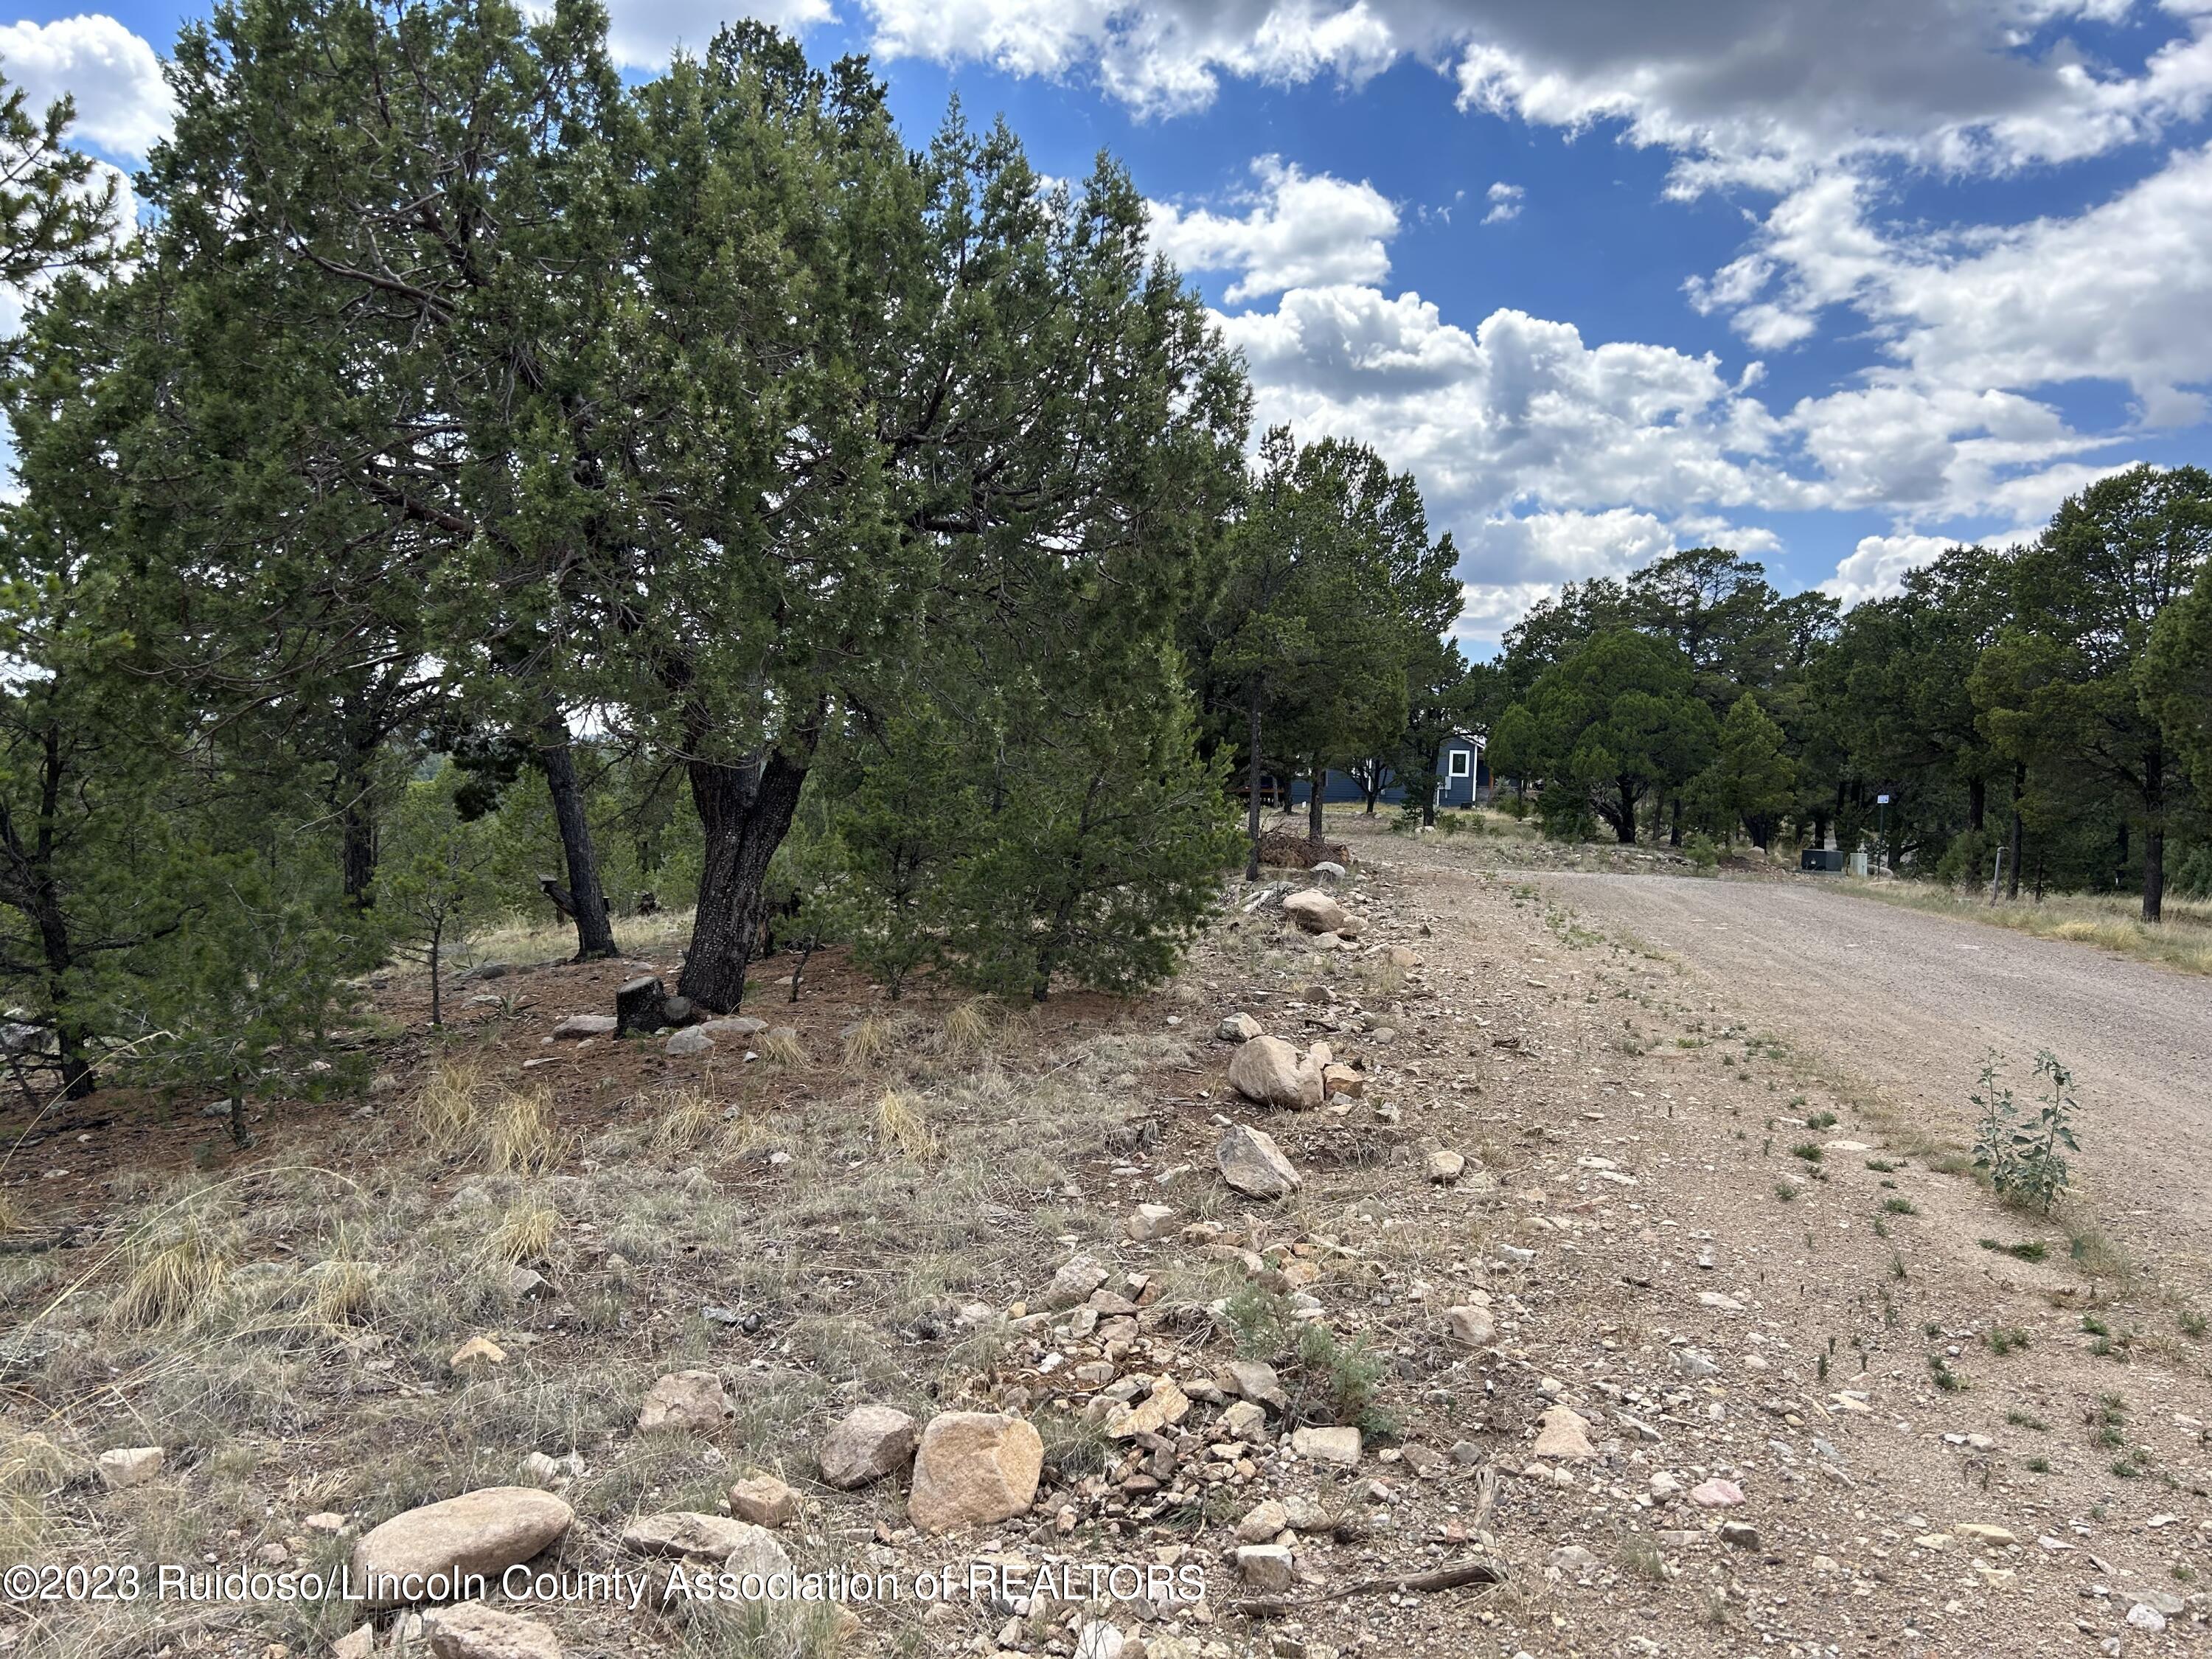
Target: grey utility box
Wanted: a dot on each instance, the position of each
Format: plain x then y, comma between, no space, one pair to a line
1822,857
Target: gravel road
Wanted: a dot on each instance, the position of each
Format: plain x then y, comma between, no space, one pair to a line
1907,1001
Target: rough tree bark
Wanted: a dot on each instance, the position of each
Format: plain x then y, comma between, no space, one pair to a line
595,933
744,812
1252,793
2153,855
1316,789
2011,872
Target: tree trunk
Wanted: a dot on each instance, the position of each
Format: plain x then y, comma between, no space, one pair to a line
357,835
1978,797
2153,855
1315,826
1624,827
744,812
1252,793
437,1007
2019,787
1819,829
595,935
1674,825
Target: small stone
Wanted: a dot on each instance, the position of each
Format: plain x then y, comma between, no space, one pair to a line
1716,1494
477,1350
1269,1071
130,1466
868,1443
1072,1283
764,1501
1164,1405
1315,912
1574,1558
693,1535
1255,1380
1719,1299
1471,1327
585,1025
691,1403
528,1284
1666,1486
1327,1445
470,1630
1982,1533
1562,1437
1148,1222
1238,1028
974,1469
359,1643
1262,1523
1253,1165
485,1531
1267,1568
690,1040
1446,1166
2146,1617
1741,1533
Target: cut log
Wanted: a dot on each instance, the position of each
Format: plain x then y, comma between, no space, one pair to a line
562,900
641,1006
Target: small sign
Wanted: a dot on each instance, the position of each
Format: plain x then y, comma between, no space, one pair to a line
1882,799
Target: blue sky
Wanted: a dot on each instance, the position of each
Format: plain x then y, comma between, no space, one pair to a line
1831,284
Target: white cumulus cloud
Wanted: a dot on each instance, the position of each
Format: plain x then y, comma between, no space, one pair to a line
1299,230
123,105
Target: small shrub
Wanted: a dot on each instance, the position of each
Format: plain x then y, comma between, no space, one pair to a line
2033,1250
1811,1151
1900,1206
2025,1158
2036,1465
1946,1379
1821,1121
2004,1339
1880,1165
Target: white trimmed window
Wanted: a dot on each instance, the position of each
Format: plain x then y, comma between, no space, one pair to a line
1458,759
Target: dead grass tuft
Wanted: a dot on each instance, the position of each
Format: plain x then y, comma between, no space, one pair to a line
902,1120
968,1029
687,1117
517,1130
780,1046
869,1041
170,1273
31,1466
525,1233
446,1105
344,1287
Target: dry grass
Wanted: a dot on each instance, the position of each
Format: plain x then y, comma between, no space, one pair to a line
518,1130
523,939
525,1233
446,1105
687,1117
11,1212
2108,920
901,1121
343,1288
171,1273
780,1046
870,1040
31,1466
968,1029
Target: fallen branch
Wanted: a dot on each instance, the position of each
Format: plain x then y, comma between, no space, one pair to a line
1458,1576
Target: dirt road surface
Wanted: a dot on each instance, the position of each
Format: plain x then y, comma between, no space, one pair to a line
1908,1002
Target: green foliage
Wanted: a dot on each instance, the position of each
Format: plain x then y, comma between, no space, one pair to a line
1751,780
2023,1156
435,879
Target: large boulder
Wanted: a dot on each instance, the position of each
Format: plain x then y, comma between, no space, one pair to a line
974,1469
689,1401
470,1630
869,1443
420,1555
1251,1163
1269,1071
1315,912
691,1535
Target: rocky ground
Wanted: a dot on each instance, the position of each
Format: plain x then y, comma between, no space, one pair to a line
1544,1301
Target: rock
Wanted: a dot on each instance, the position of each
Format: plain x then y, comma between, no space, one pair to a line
1665,1486
358,1642
485,970
1237,1028
737,1027
130,1466
1984,1534
1716,1494
1148,1222
1267,1568
1262,1523
690,1536
1574,1558
1244,1420
1720,1300
1563,1438
1315,912
1072,1283
763,1500
585,1025
328,1522
1446,1166
868,1443
690,1402
1271,1072
2146,1617
1256,1380
1166,1404
680,1010
477,1350
1471,1327
1327,1445
485,1531
470,1630
1251,1163
1328,870
2165,1602
691,1040
1741,1533
1344,1080
528,1284
974,1469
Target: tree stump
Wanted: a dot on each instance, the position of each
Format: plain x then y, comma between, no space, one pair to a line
641,1006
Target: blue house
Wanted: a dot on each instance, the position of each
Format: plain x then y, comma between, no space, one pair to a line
1462,777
